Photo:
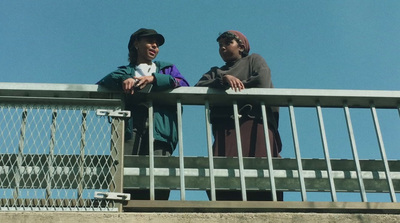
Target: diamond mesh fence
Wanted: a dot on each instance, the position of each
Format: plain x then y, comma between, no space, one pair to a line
57,157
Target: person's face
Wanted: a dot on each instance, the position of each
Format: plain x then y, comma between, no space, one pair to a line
230,50
147,49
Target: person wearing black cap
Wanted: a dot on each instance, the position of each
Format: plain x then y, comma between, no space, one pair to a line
241,71
143,74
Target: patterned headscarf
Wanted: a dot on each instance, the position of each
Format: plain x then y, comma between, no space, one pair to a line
242,38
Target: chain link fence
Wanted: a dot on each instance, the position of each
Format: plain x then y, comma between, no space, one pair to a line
56,157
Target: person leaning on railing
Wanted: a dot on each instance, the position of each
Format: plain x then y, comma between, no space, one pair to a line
141,74
241,71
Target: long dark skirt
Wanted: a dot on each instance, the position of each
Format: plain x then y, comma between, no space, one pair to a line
253,145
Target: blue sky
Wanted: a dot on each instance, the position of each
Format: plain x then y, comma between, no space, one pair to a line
343,44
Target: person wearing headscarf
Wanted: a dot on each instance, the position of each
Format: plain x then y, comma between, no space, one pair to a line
143,74
241,71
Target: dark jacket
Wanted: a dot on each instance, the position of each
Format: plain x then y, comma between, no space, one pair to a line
165,117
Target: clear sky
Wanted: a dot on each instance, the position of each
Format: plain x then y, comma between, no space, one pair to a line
343,44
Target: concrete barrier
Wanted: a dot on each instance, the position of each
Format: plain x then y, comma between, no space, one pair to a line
92,217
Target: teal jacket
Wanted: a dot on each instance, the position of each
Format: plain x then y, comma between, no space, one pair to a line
165,117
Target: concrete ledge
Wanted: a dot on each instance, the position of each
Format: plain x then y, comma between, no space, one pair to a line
94,217
262,206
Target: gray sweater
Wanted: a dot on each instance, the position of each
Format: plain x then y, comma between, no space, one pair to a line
252,70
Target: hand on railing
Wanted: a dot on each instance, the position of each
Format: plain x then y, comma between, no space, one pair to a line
129,85
233,82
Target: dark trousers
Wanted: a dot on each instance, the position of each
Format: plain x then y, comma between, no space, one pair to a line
139,145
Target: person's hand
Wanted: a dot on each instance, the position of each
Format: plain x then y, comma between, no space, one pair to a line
233,82
128,85
141,82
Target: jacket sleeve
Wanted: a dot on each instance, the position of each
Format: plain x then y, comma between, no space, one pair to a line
211,79
260,74
169,78
114,79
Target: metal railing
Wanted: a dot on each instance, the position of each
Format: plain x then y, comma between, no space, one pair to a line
348,172
55,149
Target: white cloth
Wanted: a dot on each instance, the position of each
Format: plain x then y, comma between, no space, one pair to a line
144,69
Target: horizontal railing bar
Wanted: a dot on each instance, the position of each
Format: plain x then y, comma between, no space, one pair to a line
316,174
198,95
61,101
261,206
260,163
50,87
59,160
29,173
167,172
59,180
57,90
61,171
281,97
52,203
257,184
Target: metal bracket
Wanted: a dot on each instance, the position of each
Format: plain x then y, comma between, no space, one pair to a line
112,113
112,196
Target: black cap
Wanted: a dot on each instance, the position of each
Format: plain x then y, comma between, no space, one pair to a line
145,32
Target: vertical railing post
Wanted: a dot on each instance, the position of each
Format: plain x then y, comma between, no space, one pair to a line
181,156
383,153
297,152
20,157
398,109
355,154
50,160
326,153
269,154
239,150
117,156
210,150
151,150
81,162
